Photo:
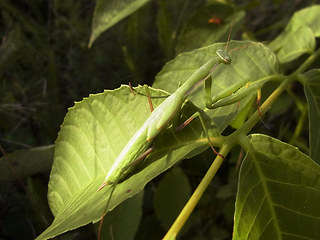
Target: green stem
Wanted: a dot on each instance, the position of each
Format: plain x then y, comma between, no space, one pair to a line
189,207
301,121
303,67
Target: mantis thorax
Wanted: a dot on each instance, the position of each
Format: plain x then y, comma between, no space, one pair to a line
226,59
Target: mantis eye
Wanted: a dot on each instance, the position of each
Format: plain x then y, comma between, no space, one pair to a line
224,56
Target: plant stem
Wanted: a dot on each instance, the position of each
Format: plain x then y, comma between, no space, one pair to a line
303,109
189,207
307,63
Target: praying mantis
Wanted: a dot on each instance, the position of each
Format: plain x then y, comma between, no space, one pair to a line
141,144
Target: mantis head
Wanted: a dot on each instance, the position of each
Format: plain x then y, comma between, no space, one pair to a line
225,58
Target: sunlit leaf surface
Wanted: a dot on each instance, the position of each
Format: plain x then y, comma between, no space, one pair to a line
278,193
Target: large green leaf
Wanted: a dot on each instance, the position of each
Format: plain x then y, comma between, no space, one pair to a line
26,162
293,43
250,63
198,31
92,135
299,35
171,195
278,193
308,16
108,12
122,223
312,91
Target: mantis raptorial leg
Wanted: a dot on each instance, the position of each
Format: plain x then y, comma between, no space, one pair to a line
232,94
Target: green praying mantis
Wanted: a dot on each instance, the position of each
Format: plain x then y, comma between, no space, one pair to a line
141,144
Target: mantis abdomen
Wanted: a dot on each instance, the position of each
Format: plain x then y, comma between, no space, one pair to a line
142,139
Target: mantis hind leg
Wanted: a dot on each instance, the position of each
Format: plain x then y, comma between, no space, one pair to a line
198,114
105,211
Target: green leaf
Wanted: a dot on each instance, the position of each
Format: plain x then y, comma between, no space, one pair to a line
171,195
243,115
218,233
278,193
293,43
92,135
149,228
199,32
165,28
170,19
26,162
37,192
308,16
122,223
108,13
312,91
299,35
250,63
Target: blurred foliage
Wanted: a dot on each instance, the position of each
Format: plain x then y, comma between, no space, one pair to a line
45,65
